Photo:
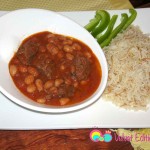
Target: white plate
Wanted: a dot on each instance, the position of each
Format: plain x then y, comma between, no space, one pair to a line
25,22
100,114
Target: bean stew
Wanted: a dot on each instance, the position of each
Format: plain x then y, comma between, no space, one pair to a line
54,69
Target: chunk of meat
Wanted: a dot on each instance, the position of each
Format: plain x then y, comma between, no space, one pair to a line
27,51
61,91
82,67
45,65
66,91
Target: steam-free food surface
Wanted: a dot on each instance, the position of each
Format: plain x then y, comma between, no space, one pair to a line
55,69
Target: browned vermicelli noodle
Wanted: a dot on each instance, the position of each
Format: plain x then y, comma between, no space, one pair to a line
128,59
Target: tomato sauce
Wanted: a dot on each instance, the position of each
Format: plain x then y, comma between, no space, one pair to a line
54,69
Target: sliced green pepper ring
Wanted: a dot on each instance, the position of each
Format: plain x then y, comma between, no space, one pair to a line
131,18
93,23
100,38
124,19
105,18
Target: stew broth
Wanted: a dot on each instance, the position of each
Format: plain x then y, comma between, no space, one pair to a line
55,69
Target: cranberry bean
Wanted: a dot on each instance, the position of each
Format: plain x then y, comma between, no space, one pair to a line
42,56
39,84
67,81
62,67
58,82
29,79
48,84
50,35
87,54
52,49
42,49
51,40
48,97
33,71
41,100
23,69
31,88
13,70
64,101
54,91
67,48
84,82
69,56
68,42
62,38
76,46
76,84
60,54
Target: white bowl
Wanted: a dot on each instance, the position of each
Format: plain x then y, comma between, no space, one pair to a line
17,25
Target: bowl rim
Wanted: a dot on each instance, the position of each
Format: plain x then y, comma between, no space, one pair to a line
89,101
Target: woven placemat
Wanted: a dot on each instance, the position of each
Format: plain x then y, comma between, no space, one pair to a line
65,5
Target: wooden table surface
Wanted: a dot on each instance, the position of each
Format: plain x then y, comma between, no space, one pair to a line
61,139
57,140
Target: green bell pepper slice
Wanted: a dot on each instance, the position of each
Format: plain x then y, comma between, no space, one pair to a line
124,19
131,18
100,38
93,23
105,18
